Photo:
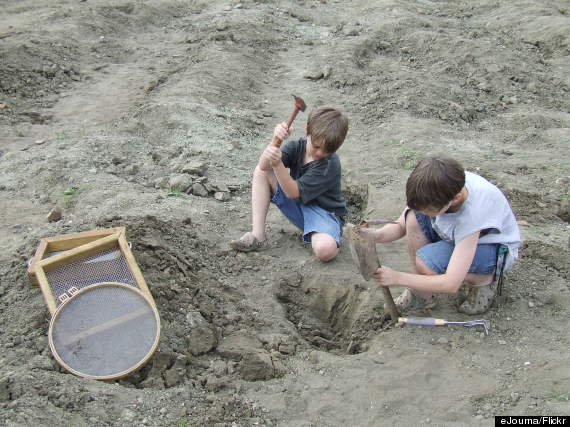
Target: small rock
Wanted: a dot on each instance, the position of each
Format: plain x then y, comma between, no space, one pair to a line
194,168
221,196
313,75
287,348
531,304
39,141
132,169
199,190
149,87
181,182
442,340
257,365
202,337
502,342
54,215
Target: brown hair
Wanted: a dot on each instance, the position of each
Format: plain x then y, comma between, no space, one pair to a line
329,124
434,182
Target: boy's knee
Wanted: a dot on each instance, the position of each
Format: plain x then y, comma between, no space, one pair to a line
324,248
422,268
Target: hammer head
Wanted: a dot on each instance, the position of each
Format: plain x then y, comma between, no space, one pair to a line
299,103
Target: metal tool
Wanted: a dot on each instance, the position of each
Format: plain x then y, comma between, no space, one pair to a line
363,251
430,321
299,106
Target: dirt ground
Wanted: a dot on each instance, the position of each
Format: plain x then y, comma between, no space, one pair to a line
150,114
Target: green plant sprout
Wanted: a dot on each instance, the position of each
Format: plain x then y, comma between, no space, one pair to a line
70,191
177,193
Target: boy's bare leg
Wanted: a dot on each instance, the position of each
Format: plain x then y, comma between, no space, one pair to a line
324,246
416,239
263,185
478,279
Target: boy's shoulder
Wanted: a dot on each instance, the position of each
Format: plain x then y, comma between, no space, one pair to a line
478,183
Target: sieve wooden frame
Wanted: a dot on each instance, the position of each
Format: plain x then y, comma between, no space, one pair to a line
64,243
110,323
85,251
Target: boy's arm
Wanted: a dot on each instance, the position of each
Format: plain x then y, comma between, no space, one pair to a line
281,132
448,282
263,162
287,184
389,232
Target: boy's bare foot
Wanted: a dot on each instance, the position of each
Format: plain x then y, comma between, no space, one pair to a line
409,301
248,242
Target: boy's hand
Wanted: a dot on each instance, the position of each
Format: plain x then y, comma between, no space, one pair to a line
369,232
272,155
385,276
281,131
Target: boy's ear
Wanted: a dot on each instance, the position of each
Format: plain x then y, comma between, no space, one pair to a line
305,127
457,197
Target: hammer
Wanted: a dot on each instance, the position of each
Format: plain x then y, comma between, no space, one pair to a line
299,106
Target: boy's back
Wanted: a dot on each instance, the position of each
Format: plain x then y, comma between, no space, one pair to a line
487,209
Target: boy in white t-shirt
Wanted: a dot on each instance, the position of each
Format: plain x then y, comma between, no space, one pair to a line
458,226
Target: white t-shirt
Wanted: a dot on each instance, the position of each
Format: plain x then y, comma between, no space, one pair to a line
487,210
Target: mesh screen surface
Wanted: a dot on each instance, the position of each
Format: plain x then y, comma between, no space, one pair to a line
105,266
104,331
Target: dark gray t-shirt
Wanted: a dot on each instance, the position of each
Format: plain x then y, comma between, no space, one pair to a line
319,180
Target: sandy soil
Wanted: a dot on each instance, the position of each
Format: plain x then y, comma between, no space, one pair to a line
151,115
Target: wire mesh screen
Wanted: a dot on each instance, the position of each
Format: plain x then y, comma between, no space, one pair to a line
105,331
104,266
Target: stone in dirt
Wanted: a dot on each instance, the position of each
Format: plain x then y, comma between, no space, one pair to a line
181,182
201,337
54,215
199,190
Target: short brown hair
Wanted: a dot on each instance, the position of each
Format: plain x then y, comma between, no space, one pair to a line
329,124
434,182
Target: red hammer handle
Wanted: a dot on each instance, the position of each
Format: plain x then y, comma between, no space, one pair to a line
276,141
292,117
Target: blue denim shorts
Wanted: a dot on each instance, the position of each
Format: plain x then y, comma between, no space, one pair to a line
309,218
436,255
